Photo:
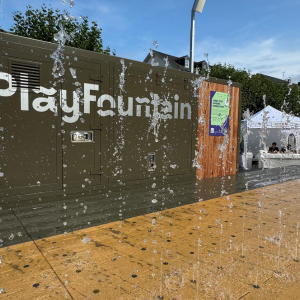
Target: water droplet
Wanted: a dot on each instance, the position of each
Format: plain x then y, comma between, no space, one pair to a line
11,237
154,201
227,101
153,63
85,240
73,72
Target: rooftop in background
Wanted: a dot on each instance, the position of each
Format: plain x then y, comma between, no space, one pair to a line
177,63
182,64
278,80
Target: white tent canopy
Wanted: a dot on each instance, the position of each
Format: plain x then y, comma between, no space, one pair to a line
276,119
281,128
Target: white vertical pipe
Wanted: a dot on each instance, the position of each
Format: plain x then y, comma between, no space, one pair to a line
192,41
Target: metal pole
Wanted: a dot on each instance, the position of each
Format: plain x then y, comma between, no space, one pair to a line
192,42
246,152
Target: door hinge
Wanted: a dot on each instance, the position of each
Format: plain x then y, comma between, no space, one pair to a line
95,172
96,126
158,76
185,84
96,77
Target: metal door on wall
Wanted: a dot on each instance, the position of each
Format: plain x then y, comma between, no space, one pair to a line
172,152
81,127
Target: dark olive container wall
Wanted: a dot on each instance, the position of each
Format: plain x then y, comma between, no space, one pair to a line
38,158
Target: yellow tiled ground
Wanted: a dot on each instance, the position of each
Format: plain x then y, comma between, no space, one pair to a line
206,250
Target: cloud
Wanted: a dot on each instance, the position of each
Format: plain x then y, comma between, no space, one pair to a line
104,9
271,56
296,79
107,15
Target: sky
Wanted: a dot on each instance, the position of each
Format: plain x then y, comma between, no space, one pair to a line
259,35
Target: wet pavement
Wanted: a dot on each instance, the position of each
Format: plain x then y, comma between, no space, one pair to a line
44,217
243,245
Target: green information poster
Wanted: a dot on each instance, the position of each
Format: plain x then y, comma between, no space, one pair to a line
219,113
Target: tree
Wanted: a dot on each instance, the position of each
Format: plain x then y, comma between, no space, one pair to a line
254,86
42,24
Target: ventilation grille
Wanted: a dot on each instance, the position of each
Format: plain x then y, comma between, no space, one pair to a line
26,75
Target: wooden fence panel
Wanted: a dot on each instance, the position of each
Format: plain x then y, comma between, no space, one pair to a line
214,162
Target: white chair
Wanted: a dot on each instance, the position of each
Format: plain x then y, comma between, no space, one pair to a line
260,158
247,161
